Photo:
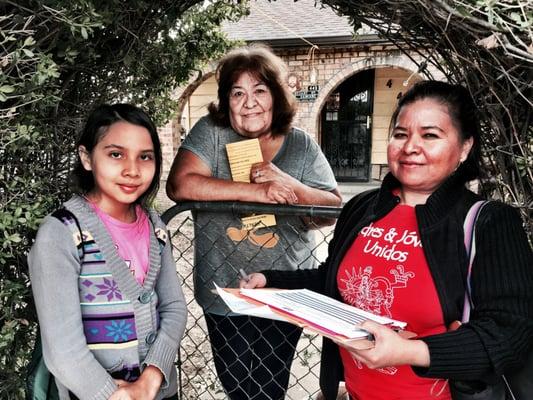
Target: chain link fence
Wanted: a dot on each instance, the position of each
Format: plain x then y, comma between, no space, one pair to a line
223,242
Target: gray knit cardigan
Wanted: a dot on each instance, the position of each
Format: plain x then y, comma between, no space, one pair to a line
95,318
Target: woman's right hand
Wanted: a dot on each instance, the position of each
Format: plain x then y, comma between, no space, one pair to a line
255,280
276,192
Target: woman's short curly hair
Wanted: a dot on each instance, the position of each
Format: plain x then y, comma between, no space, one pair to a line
262,63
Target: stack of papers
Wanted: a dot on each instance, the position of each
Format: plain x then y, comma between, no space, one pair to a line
306,308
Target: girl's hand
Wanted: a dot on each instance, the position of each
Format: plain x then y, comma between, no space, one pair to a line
121,393
255,280
390,349
144,388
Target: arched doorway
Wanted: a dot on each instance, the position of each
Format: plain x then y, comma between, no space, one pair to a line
346,120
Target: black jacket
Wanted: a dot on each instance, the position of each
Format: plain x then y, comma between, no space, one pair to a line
500,330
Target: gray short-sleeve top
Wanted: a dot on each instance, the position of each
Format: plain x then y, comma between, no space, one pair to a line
222,246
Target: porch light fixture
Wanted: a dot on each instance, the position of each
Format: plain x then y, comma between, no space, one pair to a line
313,73
421,69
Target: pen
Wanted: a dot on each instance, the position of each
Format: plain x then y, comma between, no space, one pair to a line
244,275
369,336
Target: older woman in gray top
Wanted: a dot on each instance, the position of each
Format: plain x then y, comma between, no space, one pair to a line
252,355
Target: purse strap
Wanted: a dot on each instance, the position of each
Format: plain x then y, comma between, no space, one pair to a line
469,229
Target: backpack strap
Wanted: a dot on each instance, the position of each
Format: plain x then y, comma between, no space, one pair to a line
71,222
39,381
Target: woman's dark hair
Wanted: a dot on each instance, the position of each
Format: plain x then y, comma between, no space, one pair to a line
97,125
463,113
259,61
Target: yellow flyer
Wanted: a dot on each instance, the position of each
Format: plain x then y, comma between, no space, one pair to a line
242,155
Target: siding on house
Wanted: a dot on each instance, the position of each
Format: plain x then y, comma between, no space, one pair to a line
199,100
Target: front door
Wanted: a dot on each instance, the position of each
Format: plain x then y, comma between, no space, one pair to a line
346,128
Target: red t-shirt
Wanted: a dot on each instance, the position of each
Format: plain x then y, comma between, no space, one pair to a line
385,272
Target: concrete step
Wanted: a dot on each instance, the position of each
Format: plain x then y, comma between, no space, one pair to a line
350,189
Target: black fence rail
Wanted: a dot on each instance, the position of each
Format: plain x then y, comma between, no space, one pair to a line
211,242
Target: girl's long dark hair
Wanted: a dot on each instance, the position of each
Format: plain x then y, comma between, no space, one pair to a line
96,126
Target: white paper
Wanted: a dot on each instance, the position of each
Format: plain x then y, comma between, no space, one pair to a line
321,311
241,306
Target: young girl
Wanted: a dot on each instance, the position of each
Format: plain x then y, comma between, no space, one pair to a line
110,307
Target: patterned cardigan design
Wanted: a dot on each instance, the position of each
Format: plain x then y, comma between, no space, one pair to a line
113,330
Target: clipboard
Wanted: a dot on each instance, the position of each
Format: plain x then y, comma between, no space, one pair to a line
358,338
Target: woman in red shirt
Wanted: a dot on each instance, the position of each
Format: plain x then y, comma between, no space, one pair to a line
398,251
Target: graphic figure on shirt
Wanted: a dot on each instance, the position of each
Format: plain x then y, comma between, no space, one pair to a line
266,240
127,261
374,295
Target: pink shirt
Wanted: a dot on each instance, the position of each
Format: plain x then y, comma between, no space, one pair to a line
132,240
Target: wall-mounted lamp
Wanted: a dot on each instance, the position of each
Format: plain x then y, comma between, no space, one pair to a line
313,73
421,69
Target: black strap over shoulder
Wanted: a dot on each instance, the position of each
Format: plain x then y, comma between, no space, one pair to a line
67,218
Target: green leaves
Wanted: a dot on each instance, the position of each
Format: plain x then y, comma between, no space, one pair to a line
9,239
5,90
60,58
46,69
29,41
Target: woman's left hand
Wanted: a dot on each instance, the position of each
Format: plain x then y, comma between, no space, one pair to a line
267,172
390,349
